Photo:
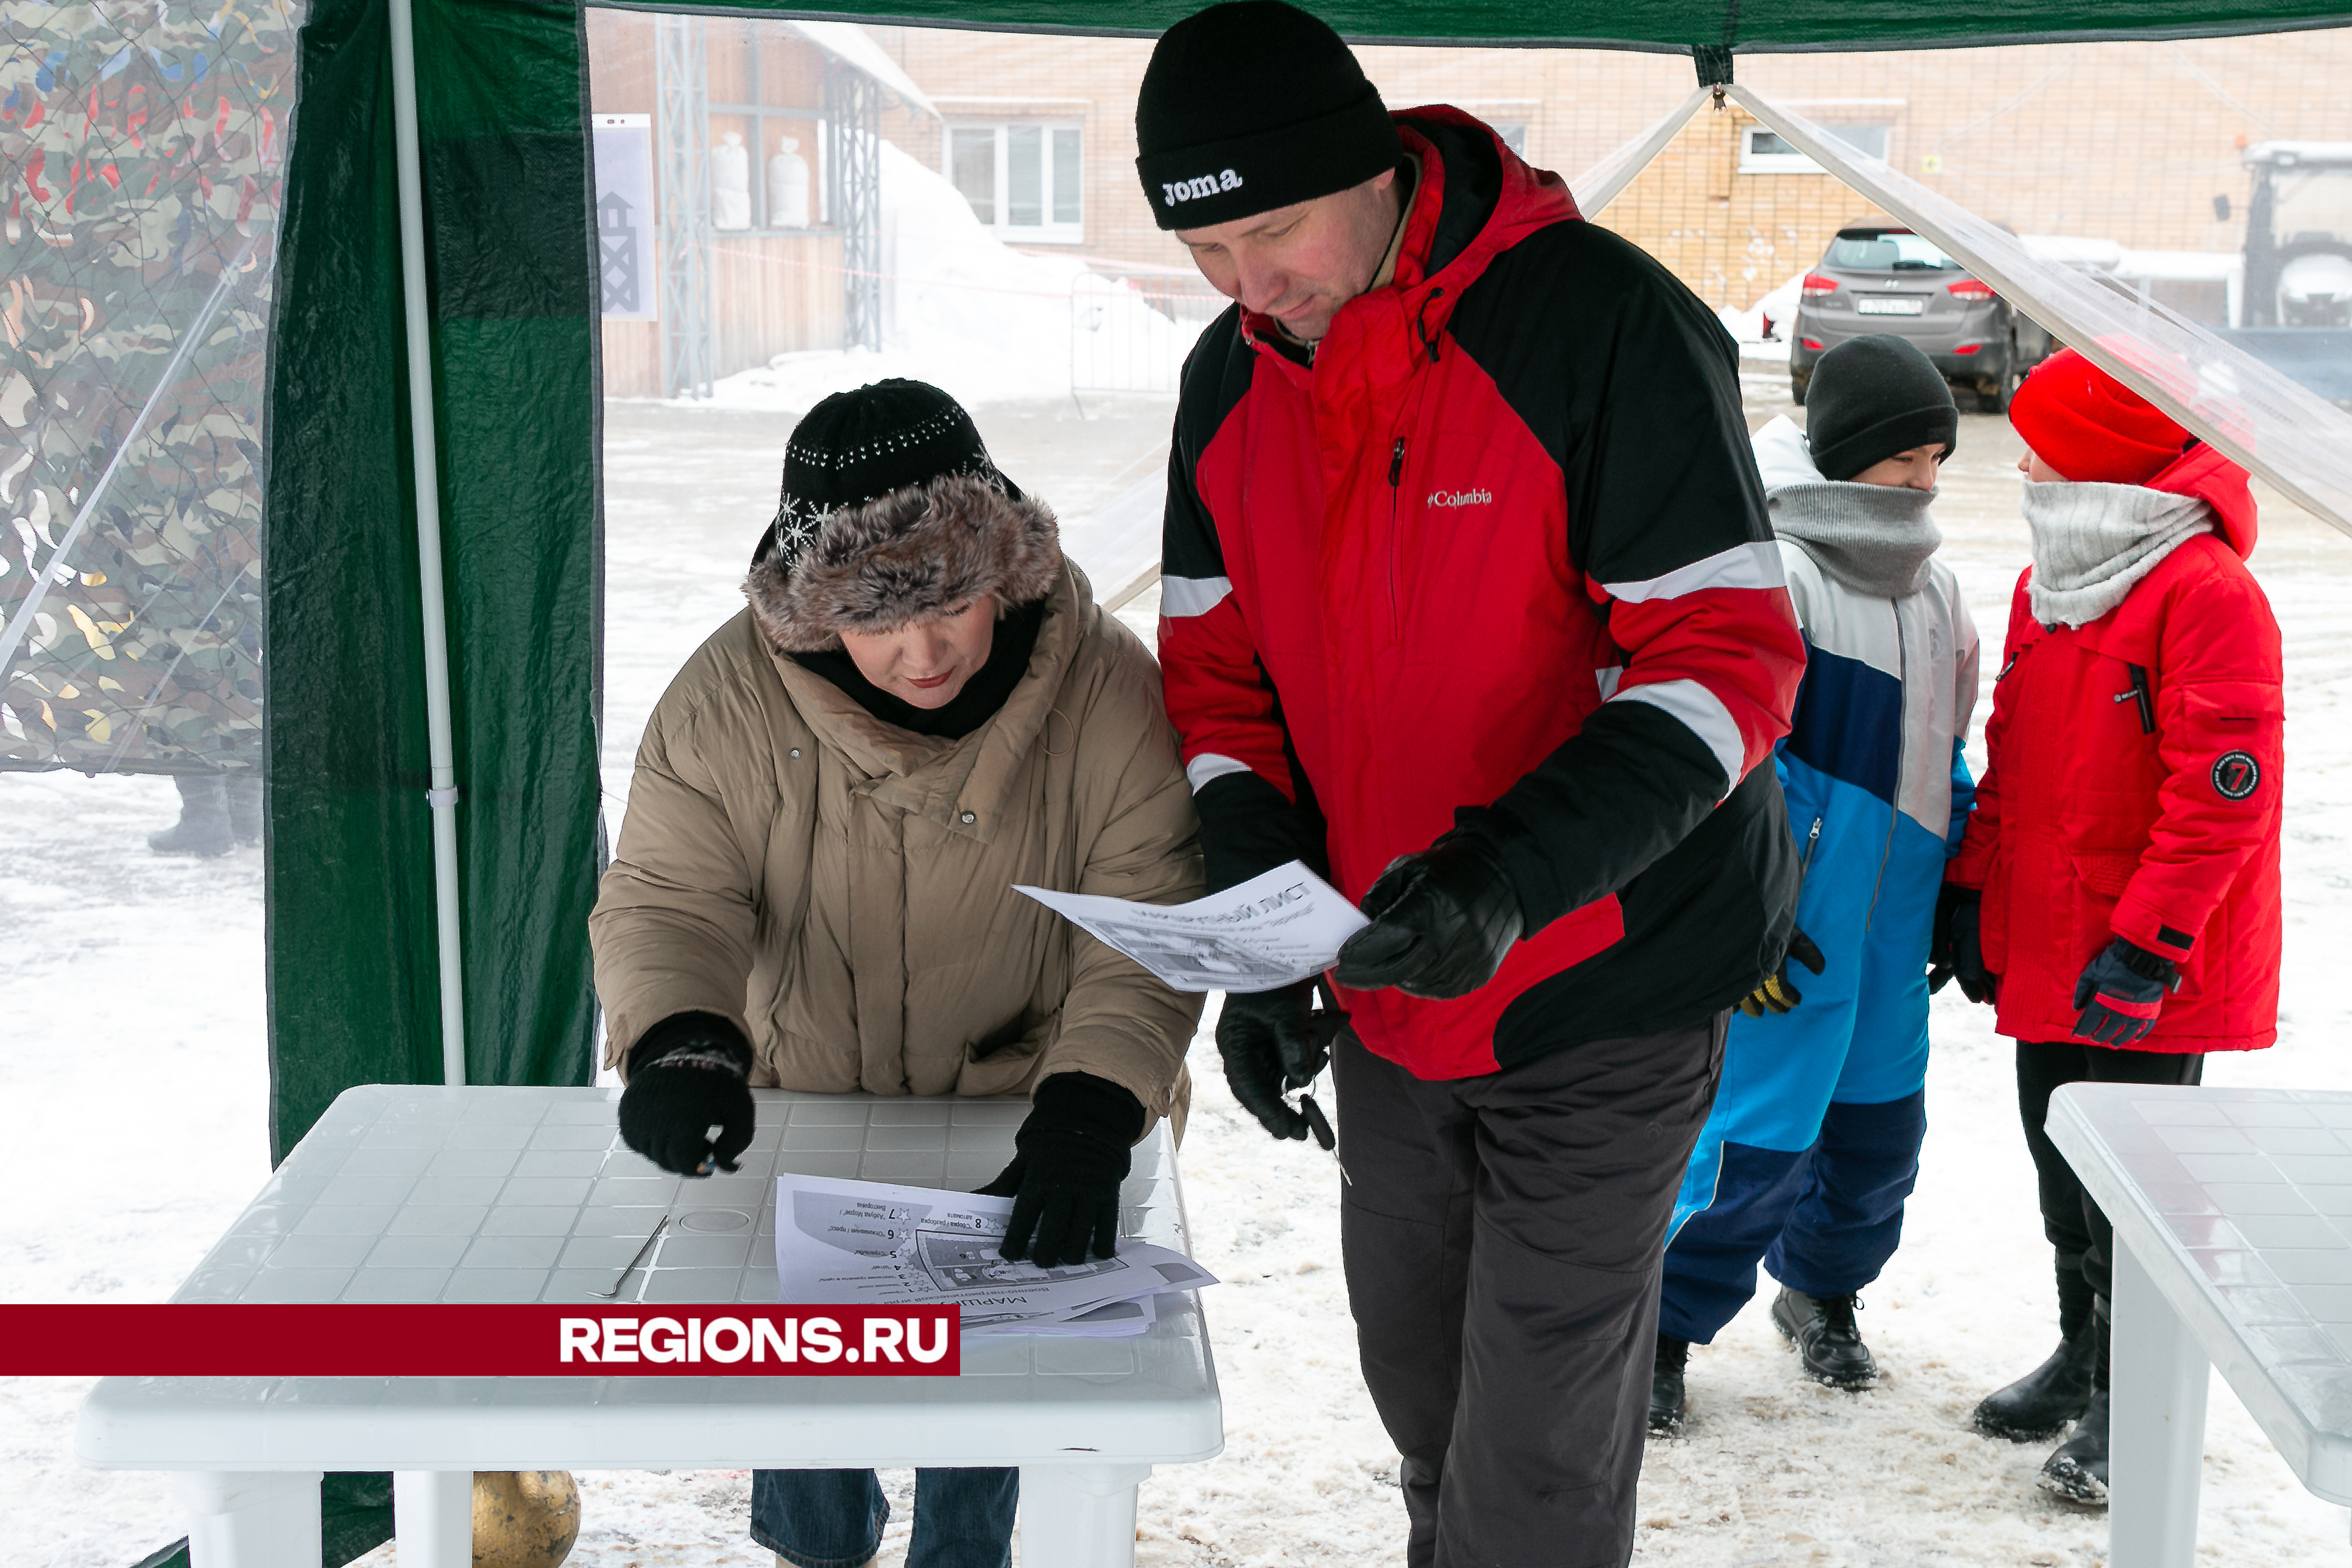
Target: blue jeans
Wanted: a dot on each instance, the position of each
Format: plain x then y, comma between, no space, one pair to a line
834,1518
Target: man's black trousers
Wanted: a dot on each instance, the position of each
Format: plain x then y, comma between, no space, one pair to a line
1504,1237
2085,1242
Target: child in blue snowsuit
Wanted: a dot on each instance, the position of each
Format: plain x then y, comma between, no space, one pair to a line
1813,1143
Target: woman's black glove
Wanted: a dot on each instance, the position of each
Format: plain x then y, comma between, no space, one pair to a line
1954,950
1063,1180
1441,921
1275,1040
688,1104
1776,995
2121,992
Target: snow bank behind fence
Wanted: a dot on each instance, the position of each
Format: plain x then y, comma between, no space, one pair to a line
987,323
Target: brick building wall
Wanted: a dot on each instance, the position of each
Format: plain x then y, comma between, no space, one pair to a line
990,78
2123,142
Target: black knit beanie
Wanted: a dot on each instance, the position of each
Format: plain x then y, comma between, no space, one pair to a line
1872,397
892,512
857,447
1250,106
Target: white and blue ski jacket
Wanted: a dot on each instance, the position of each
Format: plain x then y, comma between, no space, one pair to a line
1878,794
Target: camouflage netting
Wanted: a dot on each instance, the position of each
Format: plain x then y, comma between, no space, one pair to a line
143,145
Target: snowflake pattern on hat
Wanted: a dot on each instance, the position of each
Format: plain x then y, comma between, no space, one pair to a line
855,449
797,525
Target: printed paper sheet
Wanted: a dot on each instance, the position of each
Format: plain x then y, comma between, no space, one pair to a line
1271,931
874,1243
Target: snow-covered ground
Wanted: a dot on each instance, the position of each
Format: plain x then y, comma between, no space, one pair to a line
134,1093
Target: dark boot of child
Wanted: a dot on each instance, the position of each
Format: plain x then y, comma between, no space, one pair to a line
2039,1404
1667,1387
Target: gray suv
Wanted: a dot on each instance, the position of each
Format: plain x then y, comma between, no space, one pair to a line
1882,279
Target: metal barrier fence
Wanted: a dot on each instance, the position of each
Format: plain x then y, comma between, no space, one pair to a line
1130,329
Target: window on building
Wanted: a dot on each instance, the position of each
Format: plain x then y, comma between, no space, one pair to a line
1762,151
766,93
1514,133
1023,179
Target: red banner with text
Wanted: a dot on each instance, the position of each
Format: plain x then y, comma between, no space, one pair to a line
440,1340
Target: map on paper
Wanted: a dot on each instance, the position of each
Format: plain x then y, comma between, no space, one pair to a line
873,1244
1284,926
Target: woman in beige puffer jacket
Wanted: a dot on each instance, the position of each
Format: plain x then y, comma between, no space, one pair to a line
832,889
921,706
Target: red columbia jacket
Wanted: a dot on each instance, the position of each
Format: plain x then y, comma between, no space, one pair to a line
2132,790
1493,554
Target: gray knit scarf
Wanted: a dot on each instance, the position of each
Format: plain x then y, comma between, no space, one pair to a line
2092,543
1874,539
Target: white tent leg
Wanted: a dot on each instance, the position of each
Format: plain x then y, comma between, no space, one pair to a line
442,798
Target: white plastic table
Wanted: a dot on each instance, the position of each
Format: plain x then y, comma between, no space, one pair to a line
528,1195
2233,1210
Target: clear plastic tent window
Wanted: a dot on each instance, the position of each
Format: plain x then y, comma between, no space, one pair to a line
2251,410
146,146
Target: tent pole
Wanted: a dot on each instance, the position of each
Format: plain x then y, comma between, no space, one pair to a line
442,798
1604,182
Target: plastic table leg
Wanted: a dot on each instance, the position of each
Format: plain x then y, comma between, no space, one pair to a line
1078,1516
433,1518
249,1518
2156,1438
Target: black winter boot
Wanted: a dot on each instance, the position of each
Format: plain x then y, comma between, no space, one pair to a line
1667,1387
1828,1344
243,791
203,827
2077,1472
2039,1404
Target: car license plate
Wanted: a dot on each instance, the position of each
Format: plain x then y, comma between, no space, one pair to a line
1882,306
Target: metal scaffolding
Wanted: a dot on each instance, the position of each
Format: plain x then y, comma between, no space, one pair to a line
682,141
852,182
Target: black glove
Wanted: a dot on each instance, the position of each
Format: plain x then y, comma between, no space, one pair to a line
1064,1182
1954,950
1775,994
1442,921
1275,1040
688,1104
2121,992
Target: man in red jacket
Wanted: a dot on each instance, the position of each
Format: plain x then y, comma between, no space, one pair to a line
1470,599
2117,892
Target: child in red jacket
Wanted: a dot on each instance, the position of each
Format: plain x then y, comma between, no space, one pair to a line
2117,892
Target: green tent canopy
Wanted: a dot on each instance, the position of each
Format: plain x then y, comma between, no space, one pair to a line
502,103
1664,25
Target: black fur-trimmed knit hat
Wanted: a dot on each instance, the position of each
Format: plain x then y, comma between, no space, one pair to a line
1250,106
892,510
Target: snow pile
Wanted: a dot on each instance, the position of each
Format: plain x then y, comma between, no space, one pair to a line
1747,327
968,313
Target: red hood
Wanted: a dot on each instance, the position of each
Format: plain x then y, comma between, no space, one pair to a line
1530,198
2203,472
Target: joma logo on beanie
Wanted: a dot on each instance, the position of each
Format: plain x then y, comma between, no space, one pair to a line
1206,185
